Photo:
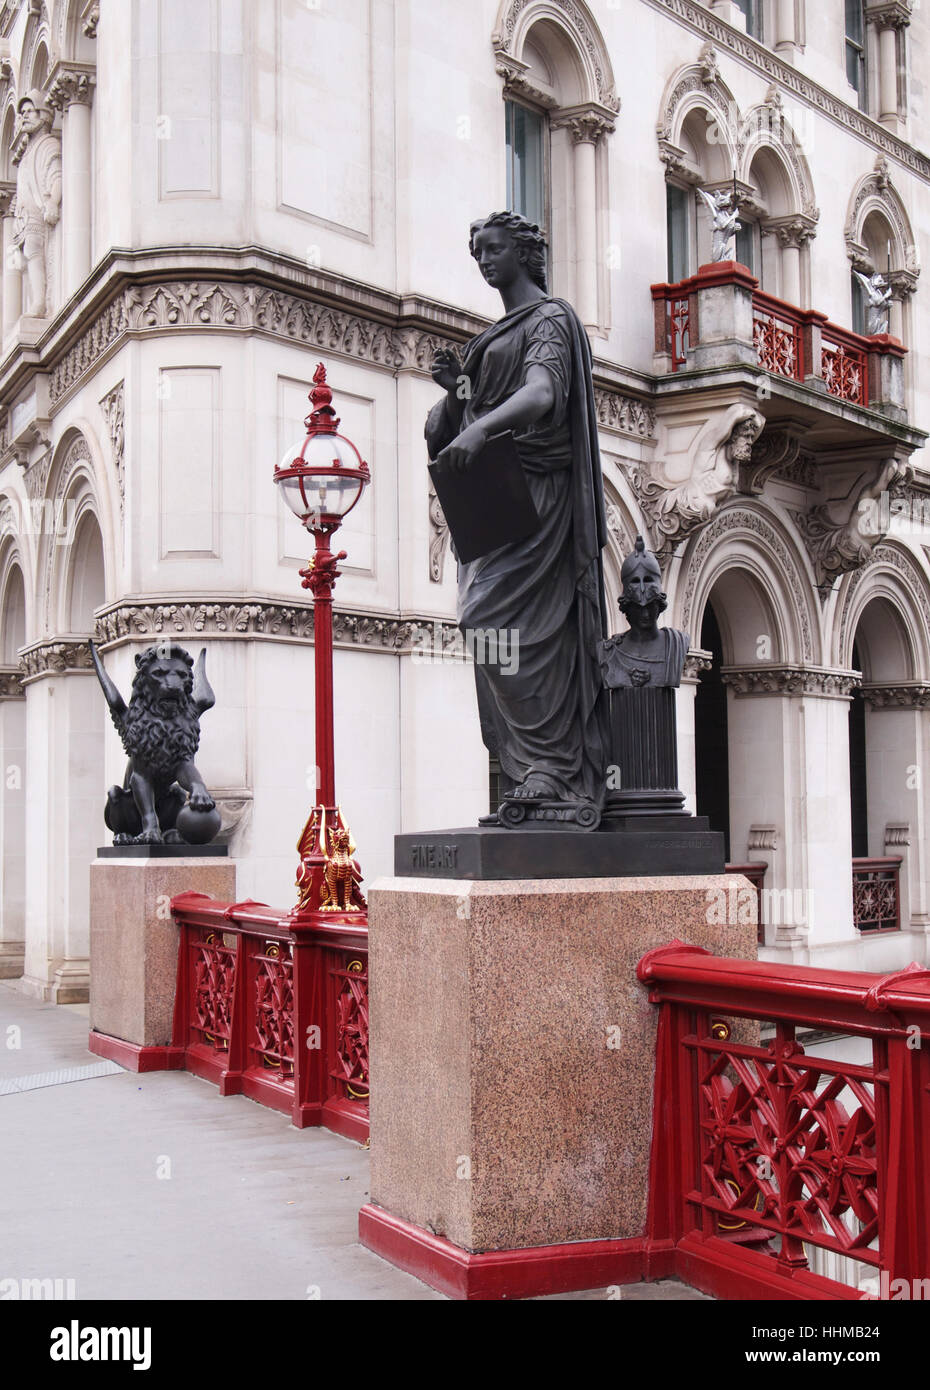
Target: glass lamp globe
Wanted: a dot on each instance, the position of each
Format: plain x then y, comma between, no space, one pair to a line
322,478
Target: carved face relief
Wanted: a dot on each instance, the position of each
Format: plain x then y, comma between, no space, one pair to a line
31,118
739,445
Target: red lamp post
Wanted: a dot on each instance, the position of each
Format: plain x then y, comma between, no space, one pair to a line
322,479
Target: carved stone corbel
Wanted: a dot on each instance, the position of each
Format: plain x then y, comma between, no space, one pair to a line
675,509
774,450
841,532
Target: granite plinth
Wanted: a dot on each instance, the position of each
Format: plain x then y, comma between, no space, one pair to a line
134,940
162,851
513,1050
629,848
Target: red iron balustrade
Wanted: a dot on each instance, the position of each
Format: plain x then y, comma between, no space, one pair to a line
799,344
797,1150
275,1011
844,364
876,896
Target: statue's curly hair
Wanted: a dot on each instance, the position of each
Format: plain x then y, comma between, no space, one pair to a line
528,240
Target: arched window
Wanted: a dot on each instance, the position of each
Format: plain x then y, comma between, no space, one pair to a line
879,239
559,104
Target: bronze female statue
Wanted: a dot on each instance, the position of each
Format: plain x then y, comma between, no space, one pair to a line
531,373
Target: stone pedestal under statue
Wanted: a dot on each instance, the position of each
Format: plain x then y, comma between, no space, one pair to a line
134,946
512,1070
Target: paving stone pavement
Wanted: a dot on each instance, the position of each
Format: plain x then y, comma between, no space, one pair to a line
153,1186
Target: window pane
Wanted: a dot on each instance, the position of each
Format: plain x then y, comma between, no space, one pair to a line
744,245
677,204
752,9
525,162
858,306
854,20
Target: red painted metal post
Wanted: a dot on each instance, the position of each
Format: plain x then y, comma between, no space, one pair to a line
319,577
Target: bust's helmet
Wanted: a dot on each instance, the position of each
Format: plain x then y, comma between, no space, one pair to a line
641,576
38,100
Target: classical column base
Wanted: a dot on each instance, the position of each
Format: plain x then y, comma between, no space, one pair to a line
513,1066
134,949
71,984
12,959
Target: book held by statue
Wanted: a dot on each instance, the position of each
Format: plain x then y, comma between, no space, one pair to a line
488,505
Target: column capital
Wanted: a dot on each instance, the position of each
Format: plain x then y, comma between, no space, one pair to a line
11,683
783,679
588,123
905,695
889,14
71,84
793,230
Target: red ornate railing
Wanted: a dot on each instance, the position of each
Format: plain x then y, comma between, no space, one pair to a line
876,897
844,364
799,1150
777,336
675,308
799,344
275,1012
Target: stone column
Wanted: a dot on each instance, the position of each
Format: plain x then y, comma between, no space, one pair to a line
786,34
888,17
12,279
789,770
65,797
71,91
588,126
12,823
792,232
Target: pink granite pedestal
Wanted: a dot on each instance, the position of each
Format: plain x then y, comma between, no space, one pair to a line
134,952
512,1067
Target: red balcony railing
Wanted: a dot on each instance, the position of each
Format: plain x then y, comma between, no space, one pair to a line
798,344
798,1149
275,1013
876,896
778,336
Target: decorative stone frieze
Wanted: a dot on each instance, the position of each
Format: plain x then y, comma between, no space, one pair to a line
54,658
260,618
906,695
790,680
113,407
624,414
11,683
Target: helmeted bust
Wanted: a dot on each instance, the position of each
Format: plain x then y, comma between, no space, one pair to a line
645,654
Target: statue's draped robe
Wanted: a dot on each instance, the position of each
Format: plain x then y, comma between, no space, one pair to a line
547,592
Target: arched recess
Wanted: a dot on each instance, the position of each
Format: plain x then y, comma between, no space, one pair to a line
778,212
78,486
697,132
783,609
742,595
884,631
12,763
622,530
560,102
35,55
77,30
880,238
